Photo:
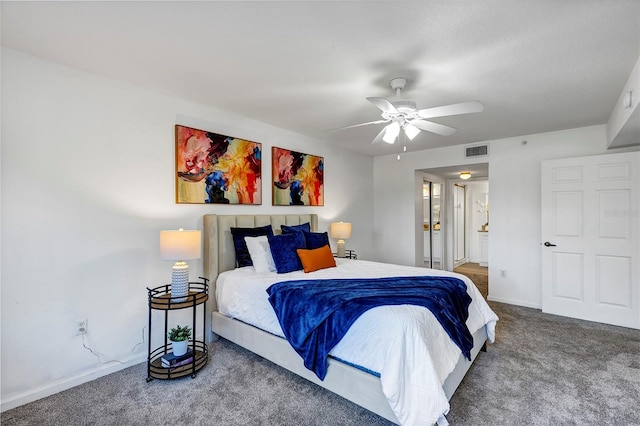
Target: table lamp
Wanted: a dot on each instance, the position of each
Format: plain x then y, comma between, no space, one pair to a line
180,245
341,231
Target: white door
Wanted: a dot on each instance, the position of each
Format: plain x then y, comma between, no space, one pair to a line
591,238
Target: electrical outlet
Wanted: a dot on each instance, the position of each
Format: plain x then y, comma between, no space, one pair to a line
82,327
503,273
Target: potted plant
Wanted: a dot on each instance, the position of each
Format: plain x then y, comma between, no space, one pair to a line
179,337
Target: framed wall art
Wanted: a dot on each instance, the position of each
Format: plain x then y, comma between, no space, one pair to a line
298,179
217,169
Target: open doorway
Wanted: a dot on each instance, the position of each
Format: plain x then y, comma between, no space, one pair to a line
456,228
475,264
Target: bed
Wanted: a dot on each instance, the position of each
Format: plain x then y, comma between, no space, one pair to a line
349,378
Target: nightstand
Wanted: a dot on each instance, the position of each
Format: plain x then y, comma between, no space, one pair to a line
348,254
160,300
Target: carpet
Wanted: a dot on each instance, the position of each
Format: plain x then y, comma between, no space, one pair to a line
542,370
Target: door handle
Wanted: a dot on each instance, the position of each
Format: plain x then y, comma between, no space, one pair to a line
548,244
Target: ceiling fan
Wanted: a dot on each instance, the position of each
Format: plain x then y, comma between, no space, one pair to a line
402,114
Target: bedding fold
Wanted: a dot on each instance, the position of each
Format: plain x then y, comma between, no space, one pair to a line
316,314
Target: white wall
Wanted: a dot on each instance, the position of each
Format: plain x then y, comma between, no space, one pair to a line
514,180
87,184
623,127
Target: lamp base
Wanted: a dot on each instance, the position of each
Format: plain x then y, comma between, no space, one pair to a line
341,250
179,282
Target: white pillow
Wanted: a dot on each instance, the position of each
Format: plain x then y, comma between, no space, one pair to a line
260,253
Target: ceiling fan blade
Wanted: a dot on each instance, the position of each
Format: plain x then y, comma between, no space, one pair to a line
378,138
453,109
436,128
358,125
384,105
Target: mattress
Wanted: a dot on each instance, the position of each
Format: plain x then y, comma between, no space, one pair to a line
404,344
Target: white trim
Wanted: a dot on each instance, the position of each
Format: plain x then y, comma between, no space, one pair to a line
63,384
514,302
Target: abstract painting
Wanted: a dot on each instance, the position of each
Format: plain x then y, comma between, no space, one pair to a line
217,169
298,179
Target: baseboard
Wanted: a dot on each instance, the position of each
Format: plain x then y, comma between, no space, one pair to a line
52,388
512,302
460,262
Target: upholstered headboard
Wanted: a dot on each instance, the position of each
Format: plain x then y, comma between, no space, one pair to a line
219,252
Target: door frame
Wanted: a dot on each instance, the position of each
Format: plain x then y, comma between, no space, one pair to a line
454,222
447,175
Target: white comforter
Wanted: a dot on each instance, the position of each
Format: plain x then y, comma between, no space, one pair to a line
404,343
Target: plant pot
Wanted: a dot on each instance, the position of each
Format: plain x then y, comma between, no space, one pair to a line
180,348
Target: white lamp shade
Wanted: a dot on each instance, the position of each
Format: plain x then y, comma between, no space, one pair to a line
392,132
340,230
180,245
411,131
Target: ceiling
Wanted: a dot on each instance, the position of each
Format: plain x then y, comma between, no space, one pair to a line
536,65
479,171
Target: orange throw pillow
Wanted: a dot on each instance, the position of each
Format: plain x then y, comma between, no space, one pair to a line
315,259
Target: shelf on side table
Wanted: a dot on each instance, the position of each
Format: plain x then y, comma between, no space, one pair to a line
157,371
348,254
160,297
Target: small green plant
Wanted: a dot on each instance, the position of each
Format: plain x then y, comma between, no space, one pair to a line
179,334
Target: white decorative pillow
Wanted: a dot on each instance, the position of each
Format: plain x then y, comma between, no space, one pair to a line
260,253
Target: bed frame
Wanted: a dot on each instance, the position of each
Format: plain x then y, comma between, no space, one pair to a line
349,382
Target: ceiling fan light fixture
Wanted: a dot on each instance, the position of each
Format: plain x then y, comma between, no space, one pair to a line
403,114
411,131
392,132
465,175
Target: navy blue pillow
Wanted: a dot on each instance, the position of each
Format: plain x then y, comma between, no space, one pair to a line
305,227
283,249
243,258
316,240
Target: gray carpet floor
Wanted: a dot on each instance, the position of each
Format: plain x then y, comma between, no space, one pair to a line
542,370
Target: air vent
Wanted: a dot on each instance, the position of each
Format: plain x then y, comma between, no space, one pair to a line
476,151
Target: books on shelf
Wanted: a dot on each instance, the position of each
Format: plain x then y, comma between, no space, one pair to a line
171,360
180,363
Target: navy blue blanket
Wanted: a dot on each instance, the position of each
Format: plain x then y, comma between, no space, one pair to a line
316,314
